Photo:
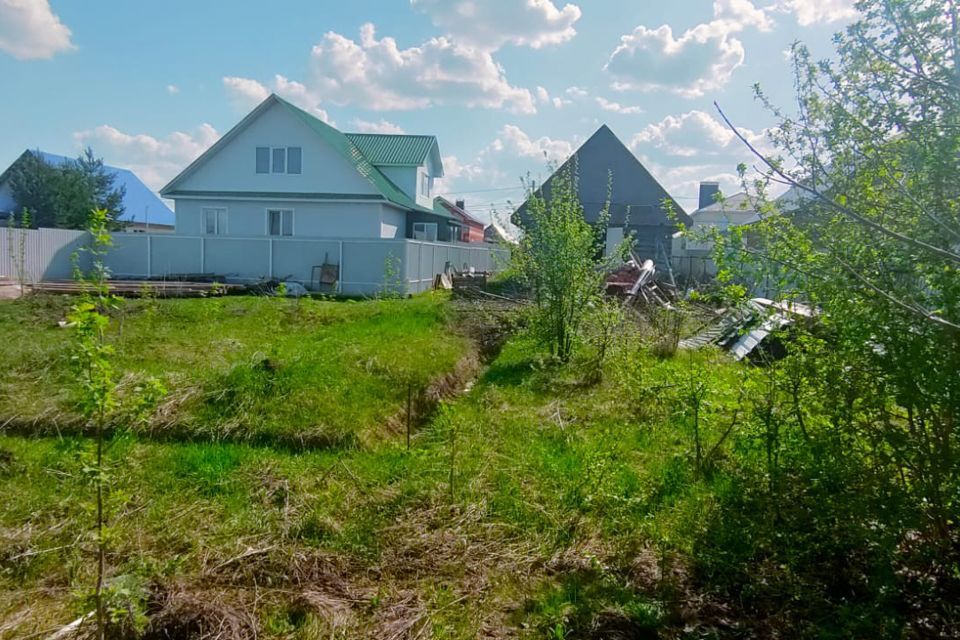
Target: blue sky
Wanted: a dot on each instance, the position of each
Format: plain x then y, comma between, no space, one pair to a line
501,83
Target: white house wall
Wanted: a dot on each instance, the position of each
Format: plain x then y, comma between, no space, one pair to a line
404,177
233,167
393,222
310,219
408,179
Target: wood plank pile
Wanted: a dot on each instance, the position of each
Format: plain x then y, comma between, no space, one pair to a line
137,288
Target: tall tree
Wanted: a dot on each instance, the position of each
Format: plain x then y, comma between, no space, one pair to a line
870,232
64,195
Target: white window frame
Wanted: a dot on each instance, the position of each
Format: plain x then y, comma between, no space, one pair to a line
424,229
217,230
425,184
271,168
293,222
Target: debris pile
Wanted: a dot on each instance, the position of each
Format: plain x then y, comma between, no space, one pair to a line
636,283
743,330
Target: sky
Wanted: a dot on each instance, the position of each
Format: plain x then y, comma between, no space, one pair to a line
507,86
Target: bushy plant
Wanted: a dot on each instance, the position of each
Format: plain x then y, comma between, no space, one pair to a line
561,258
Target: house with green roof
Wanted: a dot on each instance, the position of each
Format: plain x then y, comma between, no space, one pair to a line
284,173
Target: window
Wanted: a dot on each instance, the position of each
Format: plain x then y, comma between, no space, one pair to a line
425,231
215,222
263,159
294,159
280,160
280,222
424,184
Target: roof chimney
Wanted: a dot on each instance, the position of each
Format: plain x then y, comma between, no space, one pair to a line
708,193
462,205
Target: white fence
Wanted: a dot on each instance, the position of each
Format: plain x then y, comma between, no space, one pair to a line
366,266
43,254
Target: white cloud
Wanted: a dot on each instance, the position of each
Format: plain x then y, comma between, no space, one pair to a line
30,30
708,148
503,161
737,15
616,107
576,92
809,12
701,59
154,160
173,89
383,126
691,65
544,97
687,135
377,74
246,93
513,140
490,24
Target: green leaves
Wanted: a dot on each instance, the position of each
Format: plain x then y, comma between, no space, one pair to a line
561,258
63,195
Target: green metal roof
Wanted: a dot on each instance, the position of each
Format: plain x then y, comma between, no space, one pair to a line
348,150
393,150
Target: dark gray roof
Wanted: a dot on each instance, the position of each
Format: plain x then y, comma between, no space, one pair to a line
636,198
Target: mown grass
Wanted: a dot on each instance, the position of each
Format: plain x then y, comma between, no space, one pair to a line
299,373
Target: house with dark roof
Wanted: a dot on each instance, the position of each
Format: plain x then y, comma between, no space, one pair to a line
605,169
472,229
282,172
143,209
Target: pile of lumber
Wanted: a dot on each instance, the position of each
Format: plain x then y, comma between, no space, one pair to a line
137,288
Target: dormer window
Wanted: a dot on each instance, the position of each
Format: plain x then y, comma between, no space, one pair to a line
280,160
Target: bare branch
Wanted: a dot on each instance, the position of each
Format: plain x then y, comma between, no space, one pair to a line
847,211
906,306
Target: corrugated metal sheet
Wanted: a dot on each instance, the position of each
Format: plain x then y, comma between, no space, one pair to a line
393,150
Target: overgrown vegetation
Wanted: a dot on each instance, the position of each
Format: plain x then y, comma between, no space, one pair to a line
561,259
304,373
595,482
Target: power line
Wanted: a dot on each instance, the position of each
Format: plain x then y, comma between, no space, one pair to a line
457,191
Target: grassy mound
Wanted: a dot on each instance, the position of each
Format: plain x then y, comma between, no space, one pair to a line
297,373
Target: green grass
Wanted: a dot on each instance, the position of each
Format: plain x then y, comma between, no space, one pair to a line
307,373
535,506
555,491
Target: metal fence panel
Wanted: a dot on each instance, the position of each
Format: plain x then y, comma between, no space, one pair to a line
367,267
